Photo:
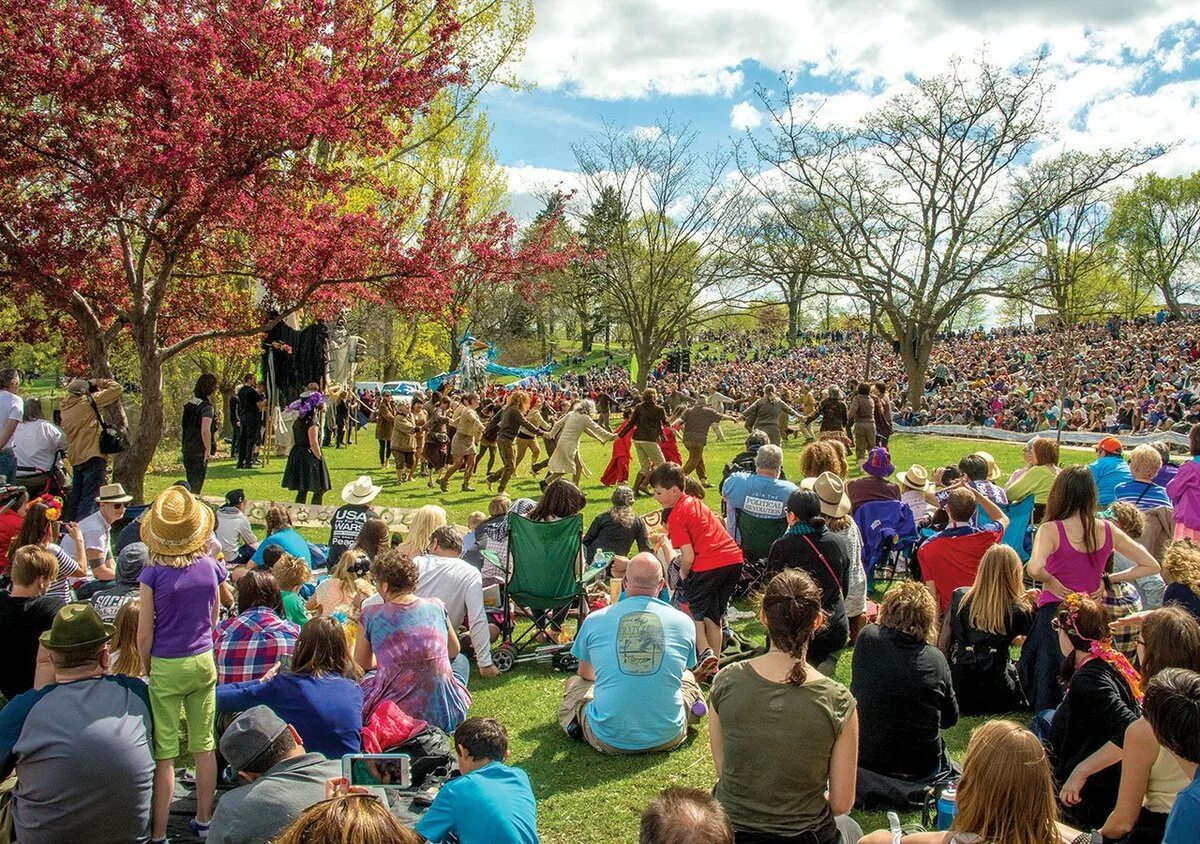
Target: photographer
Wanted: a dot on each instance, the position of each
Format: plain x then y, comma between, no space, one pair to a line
81,409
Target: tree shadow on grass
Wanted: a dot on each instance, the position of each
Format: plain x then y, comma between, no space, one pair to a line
562,765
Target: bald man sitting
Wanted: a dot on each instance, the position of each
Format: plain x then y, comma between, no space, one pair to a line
634,692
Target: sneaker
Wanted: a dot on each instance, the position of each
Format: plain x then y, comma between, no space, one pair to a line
707,666
200,830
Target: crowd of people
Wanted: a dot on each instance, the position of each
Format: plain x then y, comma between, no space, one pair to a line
273,656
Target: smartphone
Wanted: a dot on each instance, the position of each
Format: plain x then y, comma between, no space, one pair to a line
382,770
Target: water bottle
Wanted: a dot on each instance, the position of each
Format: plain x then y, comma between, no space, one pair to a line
598,559
947,808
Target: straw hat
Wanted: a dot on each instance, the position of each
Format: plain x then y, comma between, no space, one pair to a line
993,469
360,491
832,491
915,478
177,524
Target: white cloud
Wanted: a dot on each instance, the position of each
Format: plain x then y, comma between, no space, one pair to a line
528,187
612,49
647,133
745,116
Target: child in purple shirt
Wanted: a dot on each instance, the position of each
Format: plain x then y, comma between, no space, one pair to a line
179,603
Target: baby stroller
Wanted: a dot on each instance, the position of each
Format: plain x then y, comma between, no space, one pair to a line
543,559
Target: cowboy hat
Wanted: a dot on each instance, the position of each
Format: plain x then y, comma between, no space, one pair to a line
177,524
77,625
360,491
832,491
917,477
993,469
113,494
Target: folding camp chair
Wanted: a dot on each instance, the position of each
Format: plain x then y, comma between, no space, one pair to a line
1019,533
756,536
544,580
889,534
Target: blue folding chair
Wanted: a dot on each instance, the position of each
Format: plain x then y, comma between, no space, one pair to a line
1019,533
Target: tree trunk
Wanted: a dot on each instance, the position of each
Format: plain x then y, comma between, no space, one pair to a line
916,362
130,466
793,307
1171,298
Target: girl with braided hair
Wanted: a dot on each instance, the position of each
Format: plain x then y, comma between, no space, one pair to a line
780,730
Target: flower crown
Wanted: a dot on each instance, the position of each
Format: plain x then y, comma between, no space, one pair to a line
52,504
307,404
1102,649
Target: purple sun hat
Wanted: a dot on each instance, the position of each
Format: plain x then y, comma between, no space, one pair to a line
878,463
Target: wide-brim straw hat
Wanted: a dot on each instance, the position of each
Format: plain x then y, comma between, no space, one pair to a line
917,477
993,469
361,490
177,524
832,491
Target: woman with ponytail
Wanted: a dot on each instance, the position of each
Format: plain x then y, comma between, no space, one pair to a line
781,731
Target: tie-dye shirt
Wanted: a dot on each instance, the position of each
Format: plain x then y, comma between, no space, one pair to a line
410,646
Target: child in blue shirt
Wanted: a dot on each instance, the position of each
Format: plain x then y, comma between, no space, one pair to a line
490,803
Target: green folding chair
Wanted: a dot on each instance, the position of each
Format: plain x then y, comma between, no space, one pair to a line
544,579
756,536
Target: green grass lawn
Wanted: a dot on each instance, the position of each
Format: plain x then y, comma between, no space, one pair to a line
581,794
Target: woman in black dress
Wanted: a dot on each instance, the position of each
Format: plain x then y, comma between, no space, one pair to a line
979,629
306,470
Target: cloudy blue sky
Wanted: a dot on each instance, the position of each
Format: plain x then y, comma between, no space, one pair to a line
1124,71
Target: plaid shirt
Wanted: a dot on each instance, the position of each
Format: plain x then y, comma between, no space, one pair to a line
249,644
1122,599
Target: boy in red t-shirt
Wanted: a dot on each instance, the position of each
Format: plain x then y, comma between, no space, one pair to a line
710,561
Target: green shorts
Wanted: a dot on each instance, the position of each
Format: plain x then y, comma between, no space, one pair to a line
188,683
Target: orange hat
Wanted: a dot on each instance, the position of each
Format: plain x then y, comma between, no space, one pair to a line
1109,445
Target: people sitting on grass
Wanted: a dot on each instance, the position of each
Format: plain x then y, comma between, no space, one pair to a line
233,531
1070,552
1181,573
633,692
411,642
1109,470
491,803
761,494
446,577
26,612
978,632
1172,708
1036,476
617,530
97,538
41,528
279,778
80,743
280,532
950,559
318,694
710,561
1141,490
875,486
250,643
1085,733
1151,779
179,598
1184,491
784,736
1133,521
1005,794
685,816
807,546
292,574
130,562
347,521
905,698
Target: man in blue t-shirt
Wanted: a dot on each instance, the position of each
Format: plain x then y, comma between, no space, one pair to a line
634,692
1172,708
761,494
1109,469
490,803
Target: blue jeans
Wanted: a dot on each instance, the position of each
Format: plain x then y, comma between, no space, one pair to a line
86,480
1040,725
460,666
8,465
